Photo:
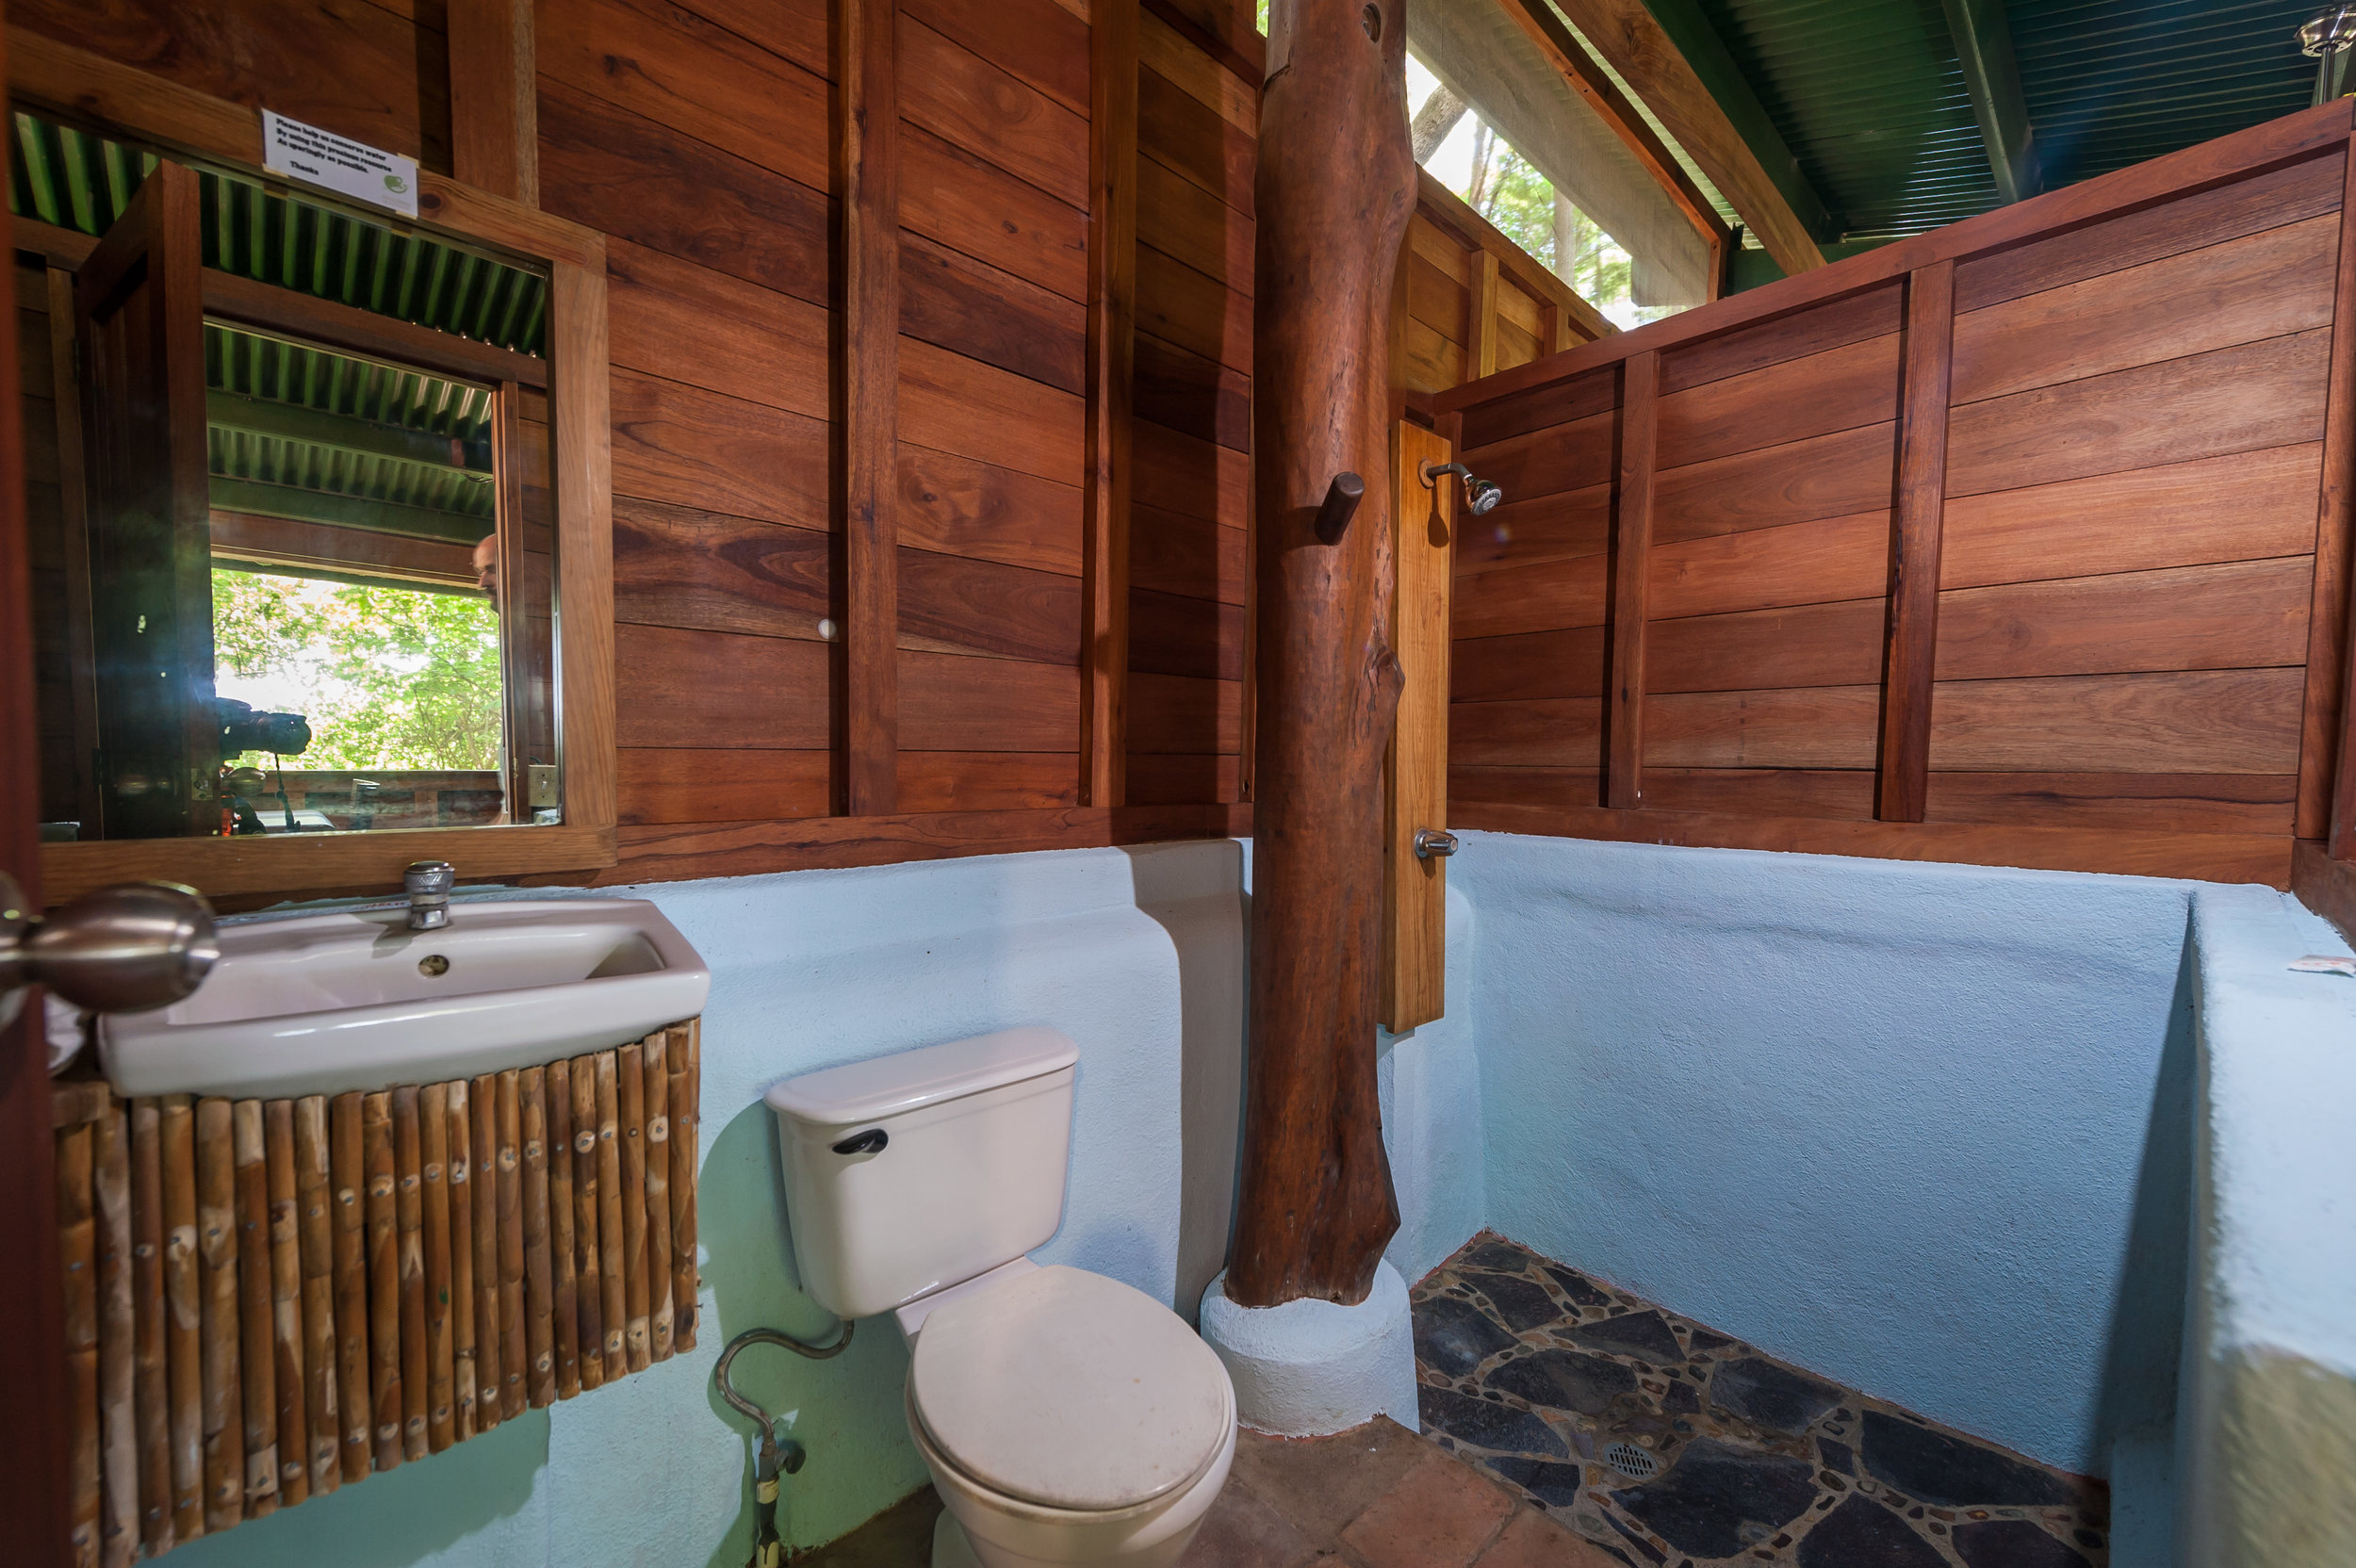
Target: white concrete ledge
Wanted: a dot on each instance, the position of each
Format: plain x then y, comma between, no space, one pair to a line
1306,1368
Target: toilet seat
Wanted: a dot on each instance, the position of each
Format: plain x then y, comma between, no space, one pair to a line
1069,1390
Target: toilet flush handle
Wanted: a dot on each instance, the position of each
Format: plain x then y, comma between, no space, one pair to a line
870,1142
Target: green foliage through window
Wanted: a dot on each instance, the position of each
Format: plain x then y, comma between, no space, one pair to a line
388,677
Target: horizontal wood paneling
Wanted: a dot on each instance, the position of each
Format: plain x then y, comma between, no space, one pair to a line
709,571
718,691
952,702
1036,41
1193,395
1174,554
751,342
1171,634
1199,313
1193,226
679,444
949,195
970,103
2267,284
1821,726
1157,780
955,404
959,506
2126,552
2251,612
951,604
1561,663
2244,506
989,780
2232,399
1172,714
1190,139
2133,802
1184,474
681,785
2201,721
969,307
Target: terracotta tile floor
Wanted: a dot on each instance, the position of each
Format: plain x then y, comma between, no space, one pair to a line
1377,1496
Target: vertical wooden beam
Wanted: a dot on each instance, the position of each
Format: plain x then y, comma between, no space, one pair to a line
1912,653
1480,319
1112,273
1632,552
493,98
1334,187
1414,771
2327,747
580,433
867,139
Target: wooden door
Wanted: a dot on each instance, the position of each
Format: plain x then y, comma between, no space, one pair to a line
33,1400
138,304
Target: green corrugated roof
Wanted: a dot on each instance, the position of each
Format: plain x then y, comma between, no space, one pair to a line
79,181
1870,97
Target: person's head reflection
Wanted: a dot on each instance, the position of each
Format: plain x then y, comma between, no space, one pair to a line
486,567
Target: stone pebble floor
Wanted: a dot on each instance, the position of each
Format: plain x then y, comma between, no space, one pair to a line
1673,1446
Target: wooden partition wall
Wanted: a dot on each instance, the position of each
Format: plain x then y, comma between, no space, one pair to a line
2024,542
1470,303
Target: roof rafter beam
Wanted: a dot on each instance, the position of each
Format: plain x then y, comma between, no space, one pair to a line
1991,73
1672,59
1586,76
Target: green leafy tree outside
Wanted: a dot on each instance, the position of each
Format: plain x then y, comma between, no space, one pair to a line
398,677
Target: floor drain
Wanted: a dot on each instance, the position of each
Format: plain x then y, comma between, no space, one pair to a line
1631,1461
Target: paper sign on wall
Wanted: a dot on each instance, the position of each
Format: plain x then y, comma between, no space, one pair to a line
344,166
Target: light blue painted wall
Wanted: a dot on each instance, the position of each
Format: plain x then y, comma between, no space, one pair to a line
1915,1127
1136,955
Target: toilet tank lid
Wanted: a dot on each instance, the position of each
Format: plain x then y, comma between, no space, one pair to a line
906,1079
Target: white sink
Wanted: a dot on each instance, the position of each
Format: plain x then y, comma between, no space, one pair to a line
354,1000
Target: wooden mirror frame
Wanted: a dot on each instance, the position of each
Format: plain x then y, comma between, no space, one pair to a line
87,87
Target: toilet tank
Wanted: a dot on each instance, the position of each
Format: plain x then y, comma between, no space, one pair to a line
911,1173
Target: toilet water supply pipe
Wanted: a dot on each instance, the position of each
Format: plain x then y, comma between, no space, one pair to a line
772,1454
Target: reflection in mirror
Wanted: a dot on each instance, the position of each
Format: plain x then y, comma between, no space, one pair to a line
322,598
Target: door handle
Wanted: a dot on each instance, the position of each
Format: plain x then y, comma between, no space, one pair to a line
130,948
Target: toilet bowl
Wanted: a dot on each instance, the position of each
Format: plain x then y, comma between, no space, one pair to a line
1066,1417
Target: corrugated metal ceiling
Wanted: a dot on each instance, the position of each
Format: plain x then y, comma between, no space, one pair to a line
1870,97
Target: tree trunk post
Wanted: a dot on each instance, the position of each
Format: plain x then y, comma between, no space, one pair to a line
1336,187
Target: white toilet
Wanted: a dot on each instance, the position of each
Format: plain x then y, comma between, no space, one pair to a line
1066,1417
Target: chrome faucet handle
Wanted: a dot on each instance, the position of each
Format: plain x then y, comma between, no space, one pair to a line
428,884
1432,844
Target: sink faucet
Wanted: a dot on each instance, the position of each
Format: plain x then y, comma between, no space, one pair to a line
428,883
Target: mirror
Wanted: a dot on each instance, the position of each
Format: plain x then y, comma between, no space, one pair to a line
282,584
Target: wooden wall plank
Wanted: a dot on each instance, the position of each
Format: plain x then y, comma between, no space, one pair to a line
951,703
971,103
679,784
1560,527
988,780
1172,714
1916,529
1192,226
1036,41
1189,138
1413,980
1186,556
637,180
1171,634
2267,284
742,339
1872,312
955,404
2130,802
1543,408
1844,794
971,308
950,195
958,506
2198,721
1812,645
1530,665
1827,476
2243,506
678,566
869,42
2240,399
1835,389
1196,395
2327,747
688,75
2253,205
1198,479
1116,284
1817,726
1815,562
713,688
2243,615
950,604
1545,597
1569,456
701,450
1199,313
1563,732
1631,578
494,116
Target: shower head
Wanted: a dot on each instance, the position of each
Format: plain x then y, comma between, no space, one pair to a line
1479,495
